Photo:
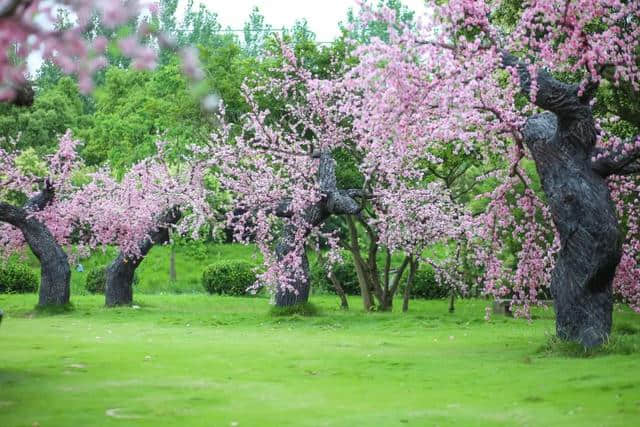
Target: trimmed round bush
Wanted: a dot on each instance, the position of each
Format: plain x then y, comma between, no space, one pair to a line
16,277
230,277
96,280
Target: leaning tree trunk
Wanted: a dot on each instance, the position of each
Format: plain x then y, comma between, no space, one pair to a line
333,202
55,273
584,215
120,274
562,142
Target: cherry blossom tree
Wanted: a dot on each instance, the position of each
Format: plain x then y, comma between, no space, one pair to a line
473,84
141,210
61,218
282,172
41,222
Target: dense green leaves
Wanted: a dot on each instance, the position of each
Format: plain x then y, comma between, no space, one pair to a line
229,277
16,277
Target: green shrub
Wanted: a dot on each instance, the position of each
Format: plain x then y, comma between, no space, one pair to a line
16,277
96,280
426,286
229,277
344,272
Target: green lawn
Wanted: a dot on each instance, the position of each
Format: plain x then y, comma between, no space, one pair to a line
198,360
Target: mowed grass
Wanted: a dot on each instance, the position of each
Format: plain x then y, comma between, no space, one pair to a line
198,360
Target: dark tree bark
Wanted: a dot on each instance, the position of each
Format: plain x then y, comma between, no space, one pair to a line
562,142
333,202
55,273
119,286
413,267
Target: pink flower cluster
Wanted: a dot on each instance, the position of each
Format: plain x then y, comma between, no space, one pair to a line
30,27
443,79
101,210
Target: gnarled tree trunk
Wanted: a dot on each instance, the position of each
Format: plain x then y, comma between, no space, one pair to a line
55,273
333,202
562,143
584,215
120,274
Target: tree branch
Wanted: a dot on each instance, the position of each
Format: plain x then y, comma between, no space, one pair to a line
617,162
42,199
398,275
11,214
552,95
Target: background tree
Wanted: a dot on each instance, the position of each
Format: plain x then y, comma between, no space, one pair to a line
281,170
34,209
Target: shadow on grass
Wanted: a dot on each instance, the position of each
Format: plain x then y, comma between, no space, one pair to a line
53,310
306,309
624,340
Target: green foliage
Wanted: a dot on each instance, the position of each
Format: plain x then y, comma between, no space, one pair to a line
426,286
55,109
96,280
345,272
256,30
364,33
134,109
226,67
229,277
17,277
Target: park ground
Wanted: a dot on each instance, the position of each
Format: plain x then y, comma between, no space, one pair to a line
200,360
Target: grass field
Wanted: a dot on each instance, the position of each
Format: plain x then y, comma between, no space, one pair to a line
198,360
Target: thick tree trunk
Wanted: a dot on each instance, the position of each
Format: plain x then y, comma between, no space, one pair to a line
562,142
119,286
55,273
334,202
120,274
585,218
299,283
